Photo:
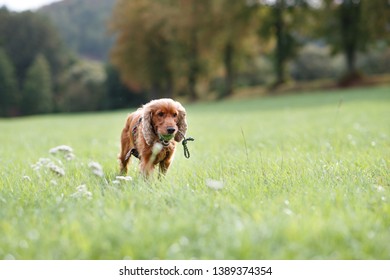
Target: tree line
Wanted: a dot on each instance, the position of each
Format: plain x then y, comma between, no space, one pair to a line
173,47
82,25
39,74
188,49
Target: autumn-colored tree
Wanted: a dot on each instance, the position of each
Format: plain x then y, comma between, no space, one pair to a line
141,52
159,44
191,27
233,23
171,46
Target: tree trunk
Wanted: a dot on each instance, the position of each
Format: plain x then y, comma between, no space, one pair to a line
193,71
350,57
280,62
350,20
229,70
155,90
169,84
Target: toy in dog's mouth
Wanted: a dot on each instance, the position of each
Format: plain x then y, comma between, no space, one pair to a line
165,138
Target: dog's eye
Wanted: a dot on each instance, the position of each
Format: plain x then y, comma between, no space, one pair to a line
174,115
160,114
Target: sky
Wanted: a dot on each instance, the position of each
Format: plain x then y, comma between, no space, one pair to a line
22,5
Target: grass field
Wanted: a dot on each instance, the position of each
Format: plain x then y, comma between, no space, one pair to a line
295,177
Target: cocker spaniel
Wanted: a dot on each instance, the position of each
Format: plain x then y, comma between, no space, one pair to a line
151,133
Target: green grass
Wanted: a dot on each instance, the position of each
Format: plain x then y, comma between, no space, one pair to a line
304,177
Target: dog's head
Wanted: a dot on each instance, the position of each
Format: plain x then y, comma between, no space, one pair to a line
165,119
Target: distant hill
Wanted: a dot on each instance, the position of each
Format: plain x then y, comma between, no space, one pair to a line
83,25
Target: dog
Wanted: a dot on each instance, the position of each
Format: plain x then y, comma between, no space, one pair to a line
150,134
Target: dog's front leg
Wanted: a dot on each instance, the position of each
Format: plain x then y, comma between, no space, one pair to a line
164,165
146,164
146,169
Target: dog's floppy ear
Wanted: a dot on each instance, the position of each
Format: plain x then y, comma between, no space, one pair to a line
181,123
147,126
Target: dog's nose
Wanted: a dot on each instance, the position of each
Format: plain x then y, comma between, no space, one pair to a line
171,130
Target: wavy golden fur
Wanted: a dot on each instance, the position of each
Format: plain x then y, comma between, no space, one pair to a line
161,121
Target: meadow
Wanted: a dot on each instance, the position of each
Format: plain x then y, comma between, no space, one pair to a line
287,177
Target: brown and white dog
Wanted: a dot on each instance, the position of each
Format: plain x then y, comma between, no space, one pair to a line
151,133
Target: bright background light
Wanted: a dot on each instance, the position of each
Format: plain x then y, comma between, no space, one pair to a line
22,5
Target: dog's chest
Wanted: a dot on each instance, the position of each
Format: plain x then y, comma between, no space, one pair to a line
165,153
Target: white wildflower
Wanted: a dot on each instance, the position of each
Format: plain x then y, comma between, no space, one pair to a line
65,150
124,178
82,191
214,184
62,148
69,156
33,234
23,244
288,211
120,179
56,169
27,178
60,198
379,188
49,164
42,162
96,168
371,234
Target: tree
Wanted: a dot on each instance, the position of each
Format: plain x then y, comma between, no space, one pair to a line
233,22
83,25
350,26
171,47
26,35
188,40
37,90
142,50
8,87
281,20
118,95
83,87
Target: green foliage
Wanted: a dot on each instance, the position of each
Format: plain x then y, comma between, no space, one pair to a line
315,62
82,87
375,61
33,48
8,86
301,177
351,26
26,35
37,89
82,25
282,21
118,95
